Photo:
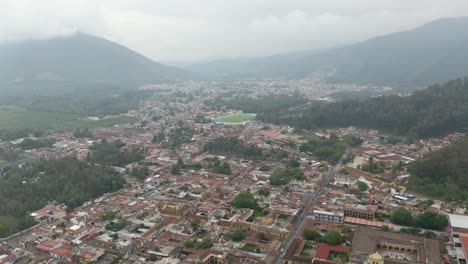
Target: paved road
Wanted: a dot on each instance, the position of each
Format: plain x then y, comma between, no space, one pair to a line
310,206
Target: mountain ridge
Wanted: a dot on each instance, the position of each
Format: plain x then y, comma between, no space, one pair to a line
431,53
80,59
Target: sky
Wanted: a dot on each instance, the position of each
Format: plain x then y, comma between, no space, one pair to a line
190,30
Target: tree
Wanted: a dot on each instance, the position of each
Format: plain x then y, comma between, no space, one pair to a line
262,236
175,169
410,116
311,234
429,234
431,220
246,200
362,186
140,172
294,163
65,180
114,153
345,229
264,192
442,174
333,238
152,257
238,235
206,243
283,177
195,224
402,217
83,133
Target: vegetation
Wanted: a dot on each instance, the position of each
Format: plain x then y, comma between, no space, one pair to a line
176,168
177,137
362,186
426,220
6,155
116,225
65,180
312,234
283,177
201,119
83,133
235,118
140,172
332,237
221,168
195,224
426,113
246,199
232,146
264,192
34,144
113,153
18,122
442,174
238,235
251,248
331,149
402,217
266,105
206,243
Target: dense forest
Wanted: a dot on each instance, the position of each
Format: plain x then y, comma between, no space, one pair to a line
233,146
442,174
265,104
331,149
65,180
431,112
114,153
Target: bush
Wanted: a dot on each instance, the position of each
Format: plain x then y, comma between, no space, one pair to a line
238,235
311,234
333,238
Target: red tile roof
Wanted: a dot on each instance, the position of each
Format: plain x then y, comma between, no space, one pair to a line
324,250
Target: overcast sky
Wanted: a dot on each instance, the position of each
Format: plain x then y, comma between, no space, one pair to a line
181,30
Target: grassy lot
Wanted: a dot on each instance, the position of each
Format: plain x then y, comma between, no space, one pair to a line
16,118
3,162
235,118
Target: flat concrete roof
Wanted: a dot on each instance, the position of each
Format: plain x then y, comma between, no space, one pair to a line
459,221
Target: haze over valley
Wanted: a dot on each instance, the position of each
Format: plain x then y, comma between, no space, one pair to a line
234,132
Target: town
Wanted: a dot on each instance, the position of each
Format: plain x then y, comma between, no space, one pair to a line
215,185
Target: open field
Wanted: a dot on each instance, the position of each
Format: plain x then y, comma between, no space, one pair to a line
15,118
235,118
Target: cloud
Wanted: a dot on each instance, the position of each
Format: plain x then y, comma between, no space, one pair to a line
188,30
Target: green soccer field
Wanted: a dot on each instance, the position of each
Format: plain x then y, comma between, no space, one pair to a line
235,118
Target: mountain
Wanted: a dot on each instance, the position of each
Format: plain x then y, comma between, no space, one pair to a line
432,53
78,60
435,111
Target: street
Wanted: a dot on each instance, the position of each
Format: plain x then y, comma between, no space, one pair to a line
310,206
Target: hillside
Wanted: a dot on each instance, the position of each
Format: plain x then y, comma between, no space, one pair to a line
79,60
434,52
442,174
431,112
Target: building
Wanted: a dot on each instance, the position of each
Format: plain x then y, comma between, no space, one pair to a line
375,258
395,248
336,217
360,211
